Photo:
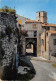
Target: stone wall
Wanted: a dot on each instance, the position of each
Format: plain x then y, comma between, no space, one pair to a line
50,47
42,16
6,20
30,31
22,18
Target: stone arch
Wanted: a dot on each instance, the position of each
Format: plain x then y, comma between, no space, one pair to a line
32,41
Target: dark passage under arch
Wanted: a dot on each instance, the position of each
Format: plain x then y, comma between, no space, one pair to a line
31,46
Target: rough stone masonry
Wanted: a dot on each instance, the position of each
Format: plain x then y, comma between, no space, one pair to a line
7,20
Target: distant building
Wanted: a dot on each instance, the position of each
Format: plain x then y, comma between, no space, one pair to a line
21,19
42,16
48,41
41,35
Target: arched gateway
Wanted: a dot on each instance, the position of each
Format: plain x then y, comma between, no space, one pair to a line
31,46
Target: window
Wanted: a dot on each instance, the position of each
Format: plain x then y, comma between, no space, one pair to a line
42,42
34,25
48,28
39,14
35,33
45,14
55,29
54,41
55,54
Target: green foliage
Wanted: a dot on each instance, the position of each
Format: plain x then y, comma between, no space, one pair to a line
12,11
1,10
8,10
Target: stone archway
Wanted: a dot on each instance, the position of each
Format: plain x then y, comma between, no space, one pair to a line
29,42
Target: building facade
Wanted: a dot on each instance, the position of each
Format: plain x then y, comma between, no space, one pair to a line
42,16
44,34
48,42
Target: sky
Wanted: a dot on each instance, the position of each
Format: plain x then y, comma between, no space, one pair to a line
28,8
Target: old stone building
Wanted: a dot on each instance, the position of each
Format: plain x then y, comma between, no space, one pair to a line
42,16
41,36
33,32
48,41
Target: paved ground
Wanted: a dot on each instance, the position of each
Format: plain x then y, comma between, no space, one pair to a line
44,71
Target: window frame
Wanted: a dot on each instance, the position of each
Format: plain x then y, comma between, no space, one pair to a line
35,33
54,41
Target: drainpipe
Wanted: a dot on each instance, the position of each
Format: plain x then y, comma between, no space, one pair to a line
45,39
49,49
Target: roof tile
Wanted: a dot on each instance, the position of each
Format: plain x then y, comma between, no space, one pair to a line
48,25
32,21
52,32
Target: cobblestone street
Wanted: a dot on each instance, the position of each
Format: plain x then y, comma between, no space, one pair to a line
44,71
